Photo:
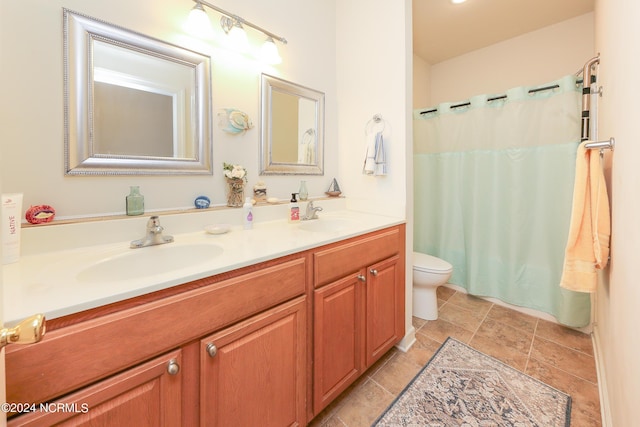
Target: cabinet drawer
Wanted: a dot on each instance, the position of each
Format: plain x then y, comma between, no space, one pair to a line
77,355
344,258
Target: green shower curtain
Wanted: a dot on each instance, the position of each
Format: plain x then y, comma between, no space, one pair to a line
493,188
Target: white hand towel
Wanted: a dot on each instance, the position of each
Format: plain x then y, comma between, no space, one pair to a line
380,156
369,166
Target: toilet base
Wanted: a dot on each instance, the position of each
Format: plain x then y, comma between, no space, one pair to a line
425,303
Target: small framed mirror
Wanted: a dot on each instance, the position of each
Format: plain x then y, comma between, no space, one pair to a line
133,104
292,129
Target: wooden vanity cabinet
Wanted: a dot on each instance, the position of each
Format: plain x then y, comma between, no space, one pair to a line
270,344
358,309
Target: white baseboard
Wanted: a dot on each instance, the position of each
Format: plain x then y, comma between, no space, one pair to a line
603,390
409,339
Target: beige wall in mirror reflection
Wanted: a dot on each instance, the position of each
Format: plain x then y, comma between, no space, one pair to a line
284,127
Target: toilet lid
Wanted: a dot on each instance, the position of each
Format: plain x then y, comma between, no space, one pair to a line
428,263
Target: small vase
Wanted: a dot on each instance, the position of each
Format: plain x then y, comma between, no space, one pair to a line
235,192
135,201
303,192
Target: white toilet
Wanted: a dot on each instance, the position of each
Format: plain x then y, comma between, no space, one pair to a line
429,272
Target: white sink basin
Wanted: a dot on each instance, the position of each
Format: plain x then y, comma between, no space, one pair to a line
142,262
327,224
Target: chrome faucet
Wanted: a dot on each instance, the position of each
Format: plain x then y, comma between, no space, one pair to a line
154,235
312,211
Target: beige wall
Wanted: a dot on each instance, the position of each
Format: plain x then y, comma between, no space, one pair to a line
285,129
617,308
421,82
531,59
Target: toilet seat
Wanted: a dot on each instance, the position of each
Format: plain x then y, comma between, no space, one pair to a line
430,264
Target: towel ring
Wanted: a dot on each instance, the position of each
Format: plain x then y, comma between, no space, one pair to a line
308,136
371,124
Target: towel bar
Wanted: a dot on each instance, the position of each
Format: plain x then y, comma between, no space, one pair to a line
609,145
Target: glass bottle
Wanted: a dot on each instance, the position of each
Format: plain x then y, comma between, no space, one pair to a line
303,193
135,201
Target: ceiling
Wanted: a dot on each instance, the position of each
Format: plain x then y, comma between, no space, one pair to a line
442,30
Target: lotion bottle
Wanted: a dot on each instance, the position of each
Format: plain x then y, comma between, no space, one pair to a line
294,209
11,212
247,217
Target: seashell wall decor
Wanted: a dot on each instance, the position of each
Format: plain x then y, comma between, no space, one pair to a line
234,121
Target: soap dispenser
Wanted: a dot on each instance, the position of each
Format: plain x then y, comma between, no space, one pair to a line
247,217
294,209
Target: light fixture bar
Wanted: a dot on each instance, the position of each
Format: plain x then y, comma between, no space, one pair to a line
242,21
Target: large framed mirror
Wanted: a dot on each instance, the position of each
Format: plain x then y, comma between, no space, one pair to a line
292,129
133,104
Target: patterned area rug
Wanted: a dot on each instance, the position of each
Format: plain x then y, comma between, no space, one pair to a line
461,386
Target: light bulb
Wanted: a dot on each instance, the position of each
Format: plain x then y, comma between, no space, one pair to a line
269,52
238,38
198,23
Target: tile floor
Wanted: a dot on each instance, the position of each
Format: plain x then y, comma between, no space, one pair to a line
561,357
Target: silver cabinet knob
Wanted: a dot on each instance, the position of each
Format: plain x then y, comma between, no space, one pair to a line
173,368
362,278
373,271
212,350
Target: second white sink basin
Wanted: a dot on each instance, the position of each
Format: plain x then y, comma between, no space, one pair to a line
327,224
159,259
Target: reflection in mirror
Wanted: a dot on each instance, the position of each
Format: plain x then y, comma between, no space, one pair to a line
133,104
292,128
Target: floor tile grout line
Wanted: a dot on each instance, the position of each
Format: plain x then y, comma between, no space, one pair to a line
566,372
533,339
565,346
481,323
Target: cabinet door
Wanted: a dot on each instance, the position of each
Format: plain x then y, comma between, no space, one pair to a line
384,308
338,338
147,395
256,373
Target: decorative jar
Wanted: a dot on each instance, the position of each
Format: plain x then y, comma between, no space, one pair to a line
235,192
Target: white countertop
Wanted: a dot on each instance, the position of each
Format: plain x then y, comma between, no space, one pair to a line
50,282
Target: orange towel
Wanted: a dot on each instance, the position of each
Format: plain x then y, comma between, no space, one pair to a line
588,243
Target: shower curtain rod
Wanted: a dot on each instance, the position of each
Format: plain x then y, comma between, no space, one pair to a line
588,76
495,98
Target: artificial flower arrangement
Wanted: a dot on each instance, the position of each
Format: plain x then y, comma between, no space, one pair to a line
234,171
236,176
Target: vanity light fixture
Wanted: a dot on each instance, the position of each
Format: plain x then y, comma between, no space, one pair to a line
458,1
237,36
269,52
200,25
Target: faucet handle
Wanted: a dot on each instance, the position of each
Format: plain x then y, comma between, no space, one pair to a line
154,224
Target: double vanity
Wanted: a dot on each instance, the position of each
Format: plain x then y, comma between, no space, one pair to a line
251,327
